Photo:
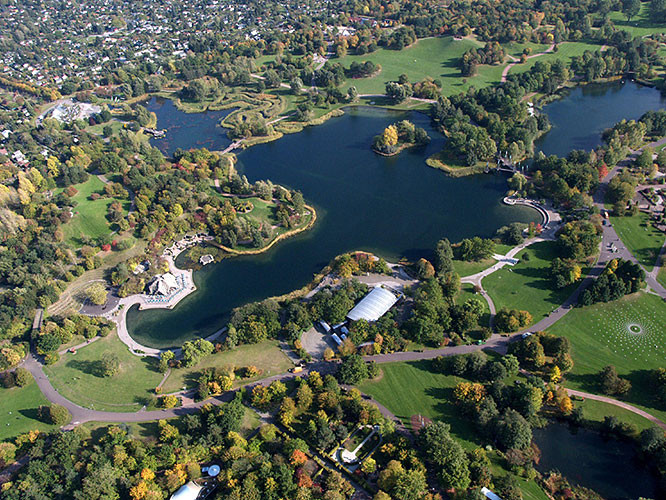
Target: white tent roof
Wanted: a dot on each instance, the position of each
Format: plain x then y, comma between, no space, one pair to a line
189,491
163,284
373,306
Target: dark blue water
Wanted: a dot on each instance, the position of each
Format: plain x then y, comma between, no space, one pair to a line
608,466
188,130
392,206
579,118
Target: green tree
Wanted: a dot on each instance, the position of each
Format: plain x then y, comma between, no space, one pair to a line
109,365
97,294
353,370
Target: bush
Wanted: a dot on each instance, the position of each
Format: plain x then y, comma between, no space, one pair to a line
54,414
22,377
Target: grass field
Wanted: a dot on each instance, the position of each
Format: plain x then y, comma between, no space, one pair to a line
640,25
75,377
408,389
434,57
640,237
18,411
89,215
565,51
266,356
600,336
526,286
596,411
464,268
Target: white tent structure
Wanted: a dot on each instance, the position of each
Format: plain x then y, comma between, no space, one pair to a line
163,284
188,491
374,305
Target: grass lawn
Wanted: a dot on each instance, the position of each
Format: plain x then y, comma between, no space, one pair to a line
89,215
411,388
408,389
266,356
596,411
434,57
464,268
640,25
640,237
526,286
75,377
18,411
600,336
566,51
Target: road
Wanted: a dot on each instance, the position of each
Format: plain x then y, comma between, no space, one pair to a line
508,67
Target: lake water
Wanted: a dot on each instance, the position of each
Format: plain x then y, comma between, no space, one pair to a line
584,457
392,206
579,118
187,131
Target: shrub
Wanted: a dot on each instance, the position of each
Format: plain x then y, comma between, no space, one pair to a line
22,377
54,414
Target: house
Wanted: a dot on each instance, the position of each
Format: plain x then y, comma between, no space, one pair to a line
206,259
163,284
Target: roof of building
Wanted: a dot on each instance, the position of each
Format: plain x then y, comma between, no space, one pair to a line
163,284
188,491
373,306
489,494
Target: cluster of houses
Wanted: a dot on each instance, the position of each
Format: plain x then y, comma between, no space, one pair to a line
652,200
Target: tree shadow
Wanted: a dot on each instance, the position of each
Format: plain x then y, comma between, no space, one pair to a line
88,367
31,413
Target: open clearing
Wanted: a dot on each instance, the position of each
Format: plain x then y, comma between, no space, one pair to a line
76,377
640,25
640,237
18,411
628,333
434,57
266,356
89,215
527,286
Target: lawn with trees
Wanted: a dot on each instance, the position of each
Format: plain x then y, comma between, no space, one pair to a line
527,285
90,215
431,57
18,408
88,379
602,335
266,356
640,237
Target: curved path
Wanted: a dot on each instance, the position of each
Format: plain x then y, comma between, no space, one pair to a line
505,73
620,404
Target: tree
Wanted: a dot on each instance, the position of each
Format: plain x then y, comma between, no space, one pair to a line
97,294
631,8
165,359
512,431
611,383
109,364
353,370
445,452
22,377
54,414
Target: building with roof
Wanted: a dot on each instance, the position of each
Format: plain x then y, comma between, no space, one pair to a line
163,284
188,491
374,305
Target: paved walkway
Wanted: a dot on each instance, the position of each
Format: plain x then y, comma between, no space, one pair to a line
508,67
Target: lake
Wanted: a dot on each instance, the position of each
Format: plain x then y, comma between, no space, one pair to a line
395,207
608,466
579,119
392,206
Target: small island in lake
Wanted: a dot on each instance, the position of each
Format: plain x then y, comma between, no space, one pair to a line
398,136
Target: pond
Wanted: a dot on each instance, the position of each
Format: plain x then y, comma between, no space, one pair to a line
392,206
187,131
608,466
579,119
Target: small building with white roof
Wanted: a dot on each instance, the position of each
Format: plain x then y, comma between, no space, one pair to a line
374,305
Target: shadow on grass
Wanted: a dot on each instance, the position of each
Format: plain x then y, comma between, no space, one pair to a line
88,367
31,413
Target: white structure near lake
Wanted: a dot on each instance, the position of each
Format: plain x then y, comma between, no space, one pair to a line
188,491
163,284
374,305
